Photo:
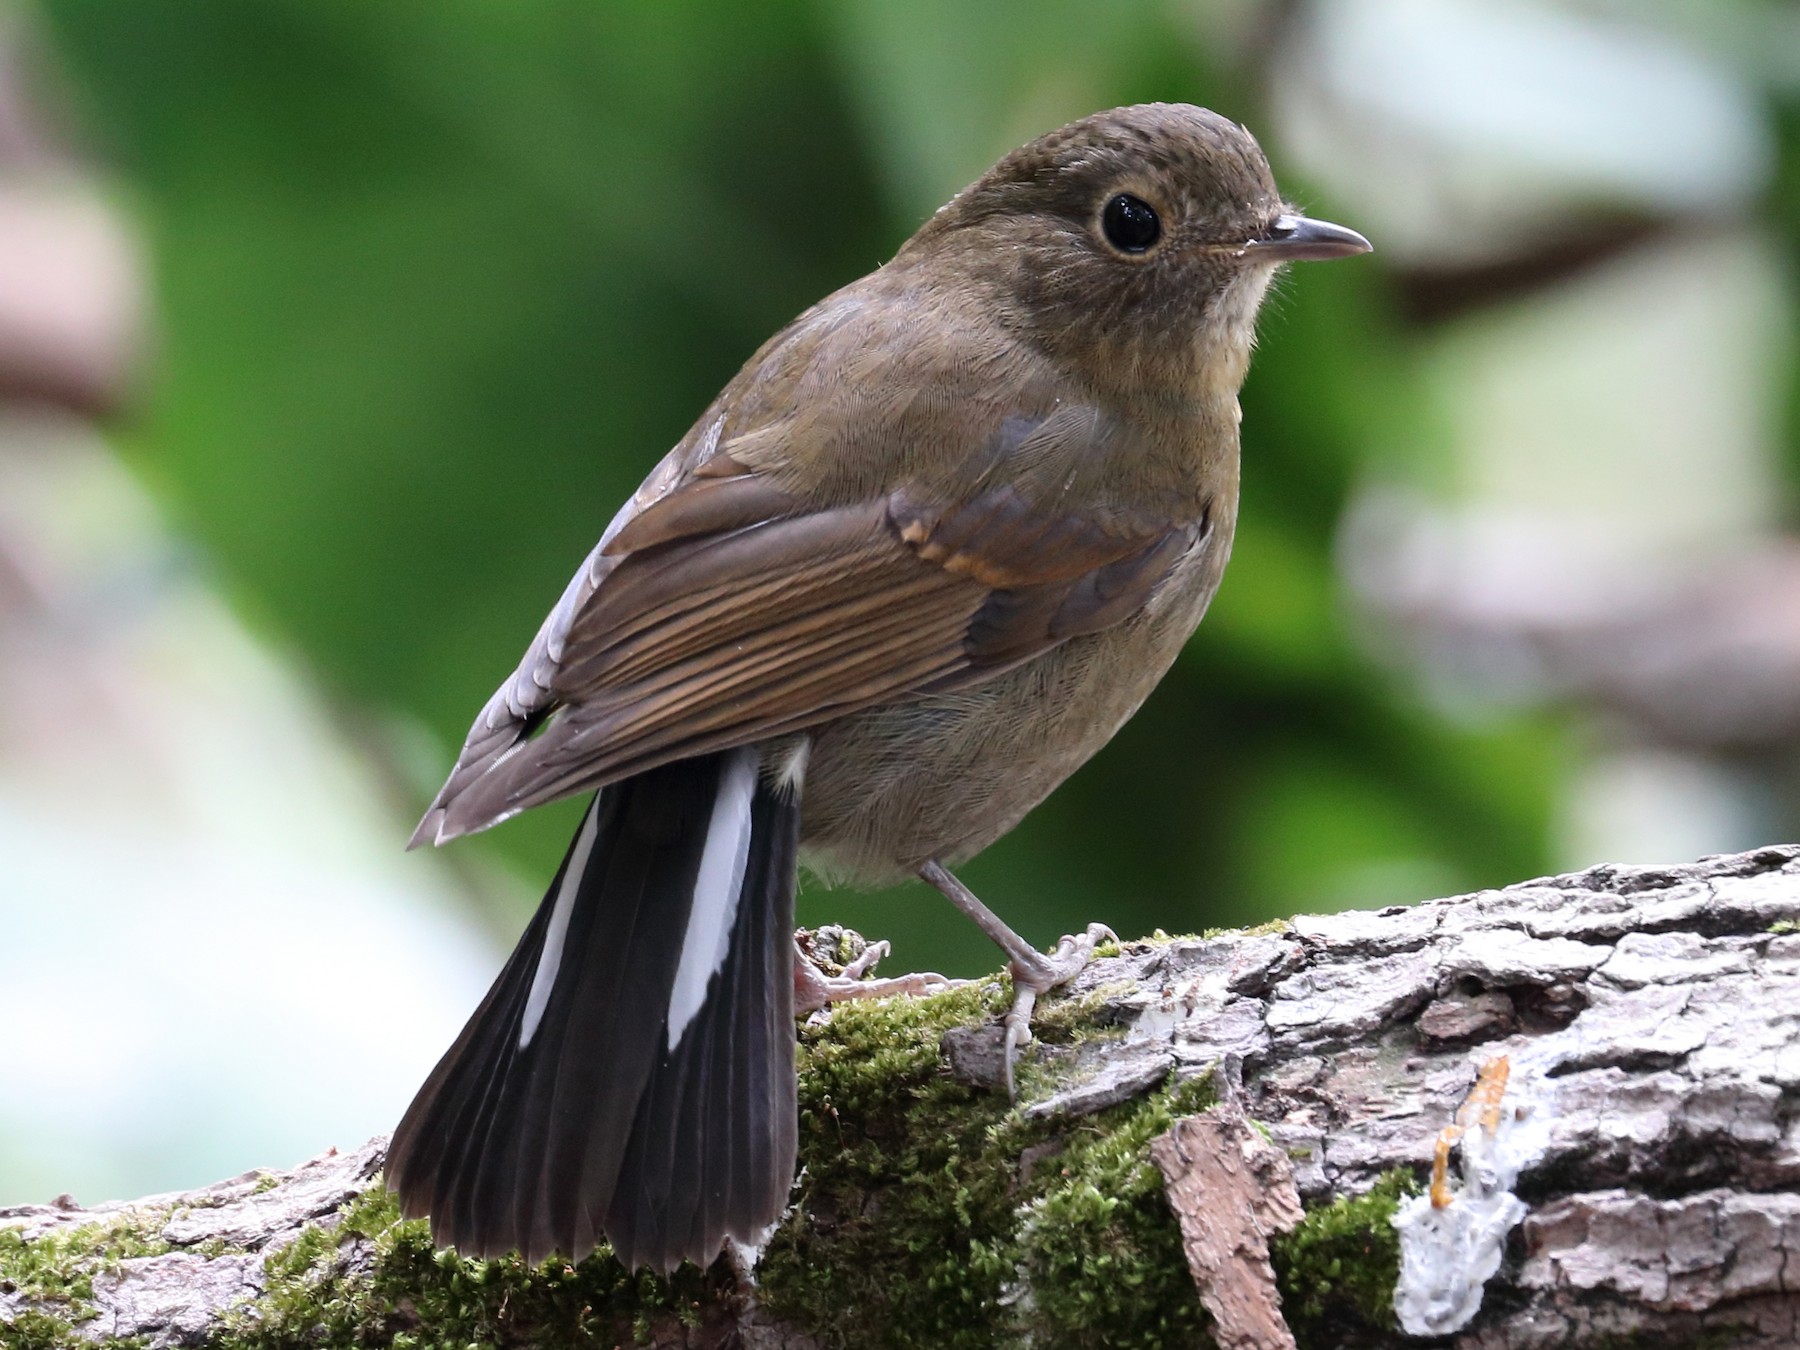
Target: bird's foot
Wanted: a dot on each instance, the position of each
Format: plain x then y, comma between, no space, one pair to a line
1035,973
815,989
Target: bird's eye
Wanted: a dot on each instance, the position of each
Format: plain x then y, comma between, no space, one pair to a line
1130,223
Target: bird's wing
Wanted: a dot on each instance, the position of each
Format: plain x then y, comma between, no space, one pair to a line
716,617
722,608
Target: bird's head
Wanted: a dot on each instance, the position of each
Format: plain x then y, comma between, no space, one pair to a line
1135,244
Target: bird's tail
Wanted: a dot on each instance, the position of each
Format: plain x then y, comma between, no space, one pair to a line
631,1073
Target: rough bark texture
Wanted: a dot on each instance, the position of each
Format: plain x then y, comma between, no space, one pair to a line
1652,1017
1231,1190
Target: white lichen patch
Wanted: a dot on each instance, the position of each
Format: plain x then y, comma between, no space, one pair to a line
1452,1238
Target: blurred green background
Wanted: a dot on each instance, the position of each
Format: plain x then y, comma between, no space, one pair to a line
438,284
431,286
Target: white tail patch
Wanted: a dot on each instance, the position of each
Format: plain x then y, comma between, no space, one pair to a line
717,888
551,957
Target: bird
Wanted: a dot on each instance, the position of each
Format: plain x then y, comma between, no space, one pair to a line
917,562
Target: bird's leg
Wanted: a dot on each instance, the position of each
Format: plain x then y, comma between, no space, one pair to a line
1033,972
814,989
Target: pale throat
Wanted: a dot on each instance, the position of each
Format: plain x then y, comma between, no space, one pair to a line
1227,335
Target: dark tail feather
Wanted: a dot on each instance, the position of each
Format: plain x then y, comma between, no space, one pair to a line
595,1127
712,1147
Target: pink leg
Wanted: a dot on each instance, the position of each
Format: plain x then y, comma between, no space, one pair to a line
814,989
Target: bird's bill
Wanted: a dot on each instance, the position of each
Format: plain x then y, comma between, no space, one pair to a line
1297,238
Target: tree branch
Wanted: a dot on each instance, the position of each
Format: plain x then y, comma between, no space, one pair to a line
1646,1016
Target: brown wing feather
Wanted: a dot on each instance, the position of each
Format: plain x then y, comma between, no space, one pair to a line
707,504
703,639
694,645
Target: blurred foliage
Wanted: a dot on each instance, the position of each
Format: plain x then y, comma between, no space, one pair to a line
439,283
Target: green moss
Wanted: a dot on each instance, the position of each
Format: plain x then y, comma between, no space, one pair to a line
56,1273
1342,1262
1784,927
1072,1021
1272,926
921,1225
374,1279
1097,1247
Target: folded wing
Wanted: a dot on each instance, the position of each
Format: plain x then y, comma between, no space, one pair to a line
724,612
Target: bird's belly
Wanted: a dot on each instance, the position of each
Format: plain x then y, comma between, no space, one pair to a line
890,788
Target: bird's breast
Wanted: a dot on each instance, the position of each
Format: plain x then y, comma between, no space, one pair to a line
890,788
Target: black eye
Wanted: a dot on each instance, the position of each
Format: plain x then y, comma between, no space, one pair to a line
1130,223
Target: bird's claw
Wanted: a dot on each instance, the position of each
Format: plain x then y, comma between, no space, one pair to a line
1044,972
872,955
814,989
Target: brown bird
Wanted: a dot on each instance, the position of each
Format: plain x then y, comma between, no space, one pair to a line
918,561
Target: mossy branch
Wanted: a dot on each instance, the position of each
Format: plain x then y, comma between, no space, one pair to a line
933,1213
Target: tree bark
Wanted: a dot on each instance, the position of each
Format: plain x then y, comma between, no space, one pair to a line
1647,1019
